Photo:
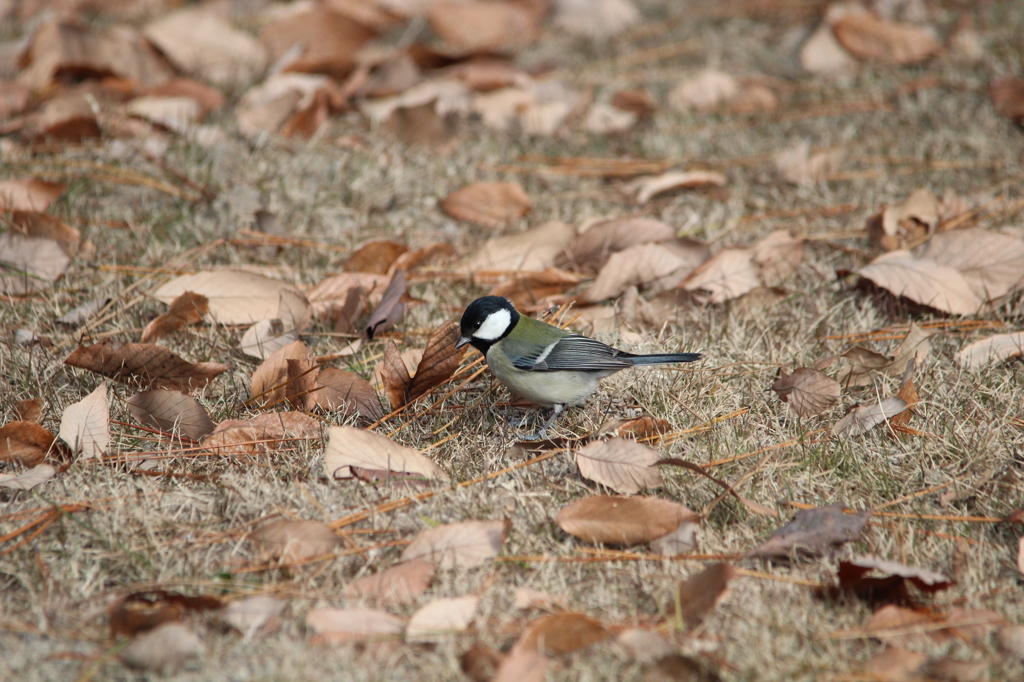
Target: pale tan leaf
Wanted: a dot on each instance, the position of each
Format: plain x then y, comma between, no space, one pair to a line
730,273
85,425
534,249
486,26
923,281
45,226
293,541
344,625
523,664
562,633
704,90
164,649
623,465
991,350
914,217
647,188
902,626
28,194
992,263
338,389
603,119
315,38
24,442
658,265
491,204
234,296
595,18
591,249
171,412
400,584
798,166
808,391
270,378
253,613
441,618
778,256
863,418
267,337
262,434
29,478
682,540
188,308
895,664
622,520
178,114
458,545
348,446
643,646
867,37
332,294
29,264
285,103
916,346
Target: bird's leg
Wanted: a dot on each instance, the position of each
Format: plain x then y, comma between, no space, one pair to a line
544,429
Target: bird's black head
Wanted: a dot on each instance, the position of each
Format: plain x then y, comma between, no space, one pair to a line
486,321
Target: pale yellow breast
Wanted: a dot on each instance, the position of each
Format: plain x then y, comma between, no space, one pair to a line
542,388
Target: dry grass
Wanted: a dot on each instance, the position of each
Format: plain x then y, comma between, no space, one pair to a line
169,531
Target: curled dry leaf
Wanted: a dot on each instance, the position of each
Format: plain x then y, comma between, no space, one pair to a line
44,226
316,39
348,447
394,376
391,309
341,390
440,360
591,249
622,520
467,544
163,649
28,194
188,308
30,410
730,273
292,104
534,249
145,365
266,337
290,542
798,166
487,26
491,204
647,188
28,479
85,425
808,391
562,633
375,257
29,264
991,350
863,418
853,574
906,222
142,611
625,466
344,625
234,296
400,584
659,266
337,293
814,532
869,38
24,442
697,596
595,18
253,613
171,412
270,379
441,618
640,428
261,434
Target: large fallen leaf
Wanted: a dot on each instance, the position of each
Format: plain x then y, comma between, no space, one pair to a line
144,610
458,545
348,447
441,618
316,39
344,625
171,412
391,309
293,541
697,596
855,576
287,103
253,613
647,188
341,390
730,273
24,442
491,204
164,649
990,350
344,293
45,226
145,365
440,360
623,465
270,379
622,520
262,434
535,249
234,296
188,308
85,425
375,257
863,418
659,266
591,249
400,584
29,264
266,337
562,633
808,391
867,37
486,26
28,194
28,479
814,532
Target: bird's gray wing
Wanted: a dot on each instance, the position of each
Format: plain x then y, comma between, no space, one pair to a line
572,353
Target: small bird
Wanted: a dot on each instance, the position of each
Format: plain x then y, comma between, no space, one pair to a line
544,364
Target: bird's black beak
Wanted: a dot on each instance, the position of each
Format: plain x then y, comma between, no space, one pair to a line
462,341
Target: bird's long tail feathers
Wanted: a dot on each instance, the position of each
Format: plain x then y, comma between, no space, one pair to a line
662,358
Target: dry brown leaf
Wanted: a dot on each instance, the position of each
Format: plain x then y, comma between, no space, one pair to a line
439,362
395,377
1007,95
480,663
798,166
990,350
262,434
527,289
906,222
252,614
730,273
28,479
208,98
522,664
85,425
316,39
29,264
895,664
25,442
596,18
341,390
287,103
562,633
171,412
333,294
640,428
200,42
869,38
458,545
697,596
908,394
491,204
992,263
853,574
622,520
164,649
808,391
646,188
534,249
30,410
902,626
348,447
814,532
293,541
704,90
625,466
486,26
863,418
177,114
70,116
604,119
188,308
28,194
659,266
400,584
375,257
45,226
778,256
234,296
441,618
269,380
267,337
301,383
145,365
591,249
344,625
391,309
1010,640
923,281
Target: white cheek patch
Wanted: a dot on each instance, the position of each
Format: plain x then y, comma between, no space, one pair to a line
494,326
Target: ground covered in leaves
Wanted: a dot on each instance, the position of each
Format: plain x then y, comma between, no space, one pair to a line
236,440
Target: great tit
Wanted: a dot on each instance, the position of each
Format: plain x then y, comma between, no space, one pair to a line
544,364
